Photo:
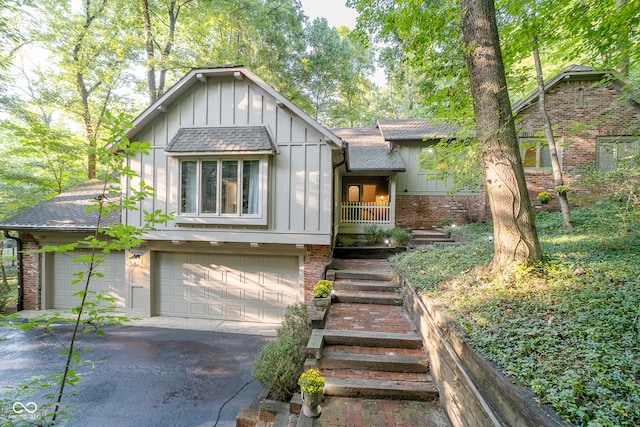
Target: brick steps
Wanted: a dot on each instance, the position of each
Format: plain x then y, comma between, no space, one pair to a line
408,390
369,347
427,237
368,297
373,362
379,276
366,285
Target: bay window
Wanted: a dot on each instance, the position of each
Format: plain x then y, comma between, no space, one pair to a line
222,188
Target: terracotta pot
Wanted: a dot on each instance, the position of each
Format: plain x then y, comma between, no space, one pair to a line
311,404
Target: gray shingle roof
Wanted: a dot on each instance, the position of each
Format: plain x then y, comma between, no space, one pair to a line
65,212
221,139
368,151
414,129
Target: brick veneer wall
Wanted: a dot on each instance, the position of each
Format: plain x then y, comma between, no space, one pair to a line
576,128
429,211
31,283
315,265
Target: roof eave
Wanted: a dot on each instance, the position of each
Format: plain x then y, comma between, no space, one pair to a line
520,105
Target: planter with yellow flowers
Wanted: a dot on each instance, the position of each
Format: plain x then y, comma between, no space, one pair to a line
311,384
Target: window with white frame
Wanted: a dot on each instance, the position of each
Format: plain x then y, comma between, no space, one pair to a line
535,153
610,151
223,188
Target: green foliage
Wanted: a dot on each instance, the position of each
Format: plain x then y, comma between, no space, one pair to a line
399,236
446,221
346,241
95,309
296,323
373,233
622,182
455,161
277,367
566,327
279,363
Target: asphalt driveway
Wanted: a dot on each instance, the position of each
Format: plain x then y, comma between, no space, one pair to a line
148,376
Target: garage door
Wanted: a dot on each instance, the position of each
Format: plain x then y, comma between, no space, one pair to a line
64,268
230,287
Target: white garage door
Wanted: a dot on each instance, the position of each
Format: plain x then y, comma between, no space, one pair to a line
255,288
111,285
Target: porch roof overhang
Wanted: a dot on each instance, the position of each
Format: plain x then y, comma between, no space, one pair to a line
369,152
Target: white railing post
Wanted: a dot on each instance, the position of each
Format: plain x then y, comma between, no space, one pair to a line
365,213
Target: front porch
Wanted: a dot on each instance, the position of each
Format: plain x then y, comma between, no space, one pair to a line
365,201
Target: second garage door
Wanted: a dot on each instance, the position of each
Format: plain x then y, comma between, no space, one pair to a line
255,288
65,268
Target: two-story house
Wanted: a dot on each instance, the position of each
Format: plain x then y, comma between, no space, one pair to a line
259,191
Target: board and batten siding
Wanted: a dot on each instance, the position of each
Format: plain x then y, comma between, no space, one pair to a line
414,181
300,174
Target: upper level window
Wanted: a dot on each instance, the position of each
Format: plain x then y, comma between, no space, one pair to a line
535,153
611,151
222,188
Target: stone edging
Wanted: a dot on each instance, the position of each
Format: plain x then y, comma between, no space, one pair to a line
472,391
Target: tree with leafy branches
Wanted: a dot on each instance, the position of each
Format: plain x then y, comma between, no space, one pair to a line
96,309
476,38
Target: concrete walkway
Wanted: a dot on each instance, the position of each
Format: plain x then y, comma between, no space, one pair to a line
207,325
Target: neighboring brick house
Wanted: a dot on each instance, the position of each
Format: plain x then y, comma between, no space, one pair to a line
593,124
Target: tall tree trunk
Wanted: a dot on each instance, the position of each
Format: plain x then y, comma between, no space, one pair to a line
515,236
150,50
548,132
83,91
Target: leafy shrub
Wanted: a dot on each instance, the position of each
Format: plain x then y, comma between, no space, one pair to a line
446,221
345,241
399,236
372,233
279,363
278,366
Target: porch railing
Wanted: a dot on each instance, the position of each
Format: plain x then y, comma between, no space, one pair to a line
365,213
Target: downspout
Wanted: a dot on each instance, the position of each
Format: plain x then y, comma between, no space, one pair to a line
333,211
20,306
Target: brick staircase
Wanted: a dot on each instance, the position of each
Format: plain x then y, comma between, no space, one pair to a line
428,237
369,348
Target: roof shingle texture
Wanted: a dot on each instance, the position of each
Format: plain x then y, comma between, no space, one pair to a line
368,151
220,139
414,129
65,212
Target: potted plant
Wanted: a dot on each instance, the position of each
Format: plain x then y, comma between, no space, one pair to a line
543,197
311,384
322,292
562,190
